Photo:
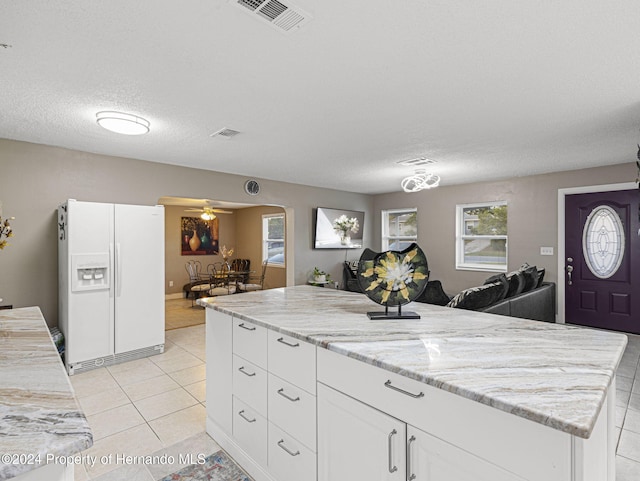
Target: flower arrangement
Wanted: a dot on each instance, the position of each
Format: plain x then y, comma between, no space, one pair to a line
345,224
320,276
5,230
226,253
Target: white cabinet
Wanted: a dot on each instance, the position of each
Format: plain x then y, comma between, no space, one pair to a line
219,369
357,442
360,443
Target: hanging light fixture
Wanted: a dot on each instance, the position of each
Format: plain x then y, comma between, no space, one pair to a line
207,215
419,181
122,123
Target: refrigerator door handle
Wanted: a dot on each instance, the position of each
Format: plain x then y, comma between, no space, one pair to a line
111,264
118,270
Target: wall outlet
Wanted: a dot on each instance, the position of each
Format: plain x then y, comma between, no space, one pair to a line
546,251
170,283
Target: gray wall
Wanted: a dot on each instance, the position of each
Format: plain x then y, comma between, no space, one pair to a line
35,179
532,218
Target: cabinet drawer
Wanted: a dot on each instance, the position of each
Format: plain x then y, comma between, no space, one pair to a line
289,459
293,360
250,342
250,431
474,427
294,410
250,384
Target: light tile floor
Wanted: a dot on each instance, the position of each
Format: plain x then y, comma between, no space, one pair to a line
157,405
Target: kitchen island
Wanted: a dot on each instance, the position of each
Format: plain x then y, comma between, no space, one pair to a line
41,423
307,387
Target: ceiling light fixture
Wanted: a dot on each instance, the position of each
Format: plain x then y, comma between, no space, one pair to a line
207,215
122,123
419,181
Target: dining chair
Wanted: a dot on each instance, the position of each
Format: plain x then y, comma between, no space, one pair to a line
258,281
219,280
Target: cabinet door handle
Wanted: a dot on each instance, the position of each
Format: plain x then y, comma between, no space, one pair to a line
410,477
391,386
246,373
281,339
392,467
241,414
243,326
284,395
291,453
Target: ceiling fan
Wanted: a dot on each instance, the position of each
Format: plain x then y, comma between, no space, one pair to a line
209,213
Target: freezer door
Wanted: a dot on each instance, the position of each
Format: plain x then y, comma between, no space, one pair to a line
139,277
88,327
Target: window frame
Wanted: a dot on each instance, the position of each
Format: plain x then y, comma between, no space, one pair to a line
461,237
266,239
386,239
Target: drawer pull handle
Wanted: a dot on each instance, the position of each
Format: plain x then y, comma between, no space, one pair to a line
291,453
241,414
284,395
410,477
391,386
392,468
246,373
281,339
243,326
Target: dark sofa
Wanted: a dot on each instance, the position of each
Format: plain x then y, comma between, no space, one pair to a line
501,294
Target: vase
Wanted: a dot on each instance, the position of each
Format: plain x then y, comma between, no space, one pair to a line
194,242
345,239
205,241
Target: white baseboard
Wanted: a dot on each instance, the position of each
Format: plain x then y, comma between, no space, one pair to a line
175,295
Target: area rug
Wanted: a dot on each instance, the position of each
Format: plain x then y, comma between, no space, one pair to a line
216,467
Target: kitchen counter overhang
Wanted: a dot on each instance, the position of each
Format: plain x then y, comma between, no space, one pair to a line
39,414
552,374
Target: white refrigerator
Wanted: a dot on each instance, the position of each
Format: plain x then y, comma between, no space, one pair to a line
111,282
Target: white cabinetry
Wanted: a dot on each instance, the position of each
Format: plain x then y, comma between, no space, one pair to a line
261,402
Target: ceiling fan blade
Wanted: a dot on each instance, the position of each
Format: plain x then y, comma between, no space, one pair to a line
193,210
220,211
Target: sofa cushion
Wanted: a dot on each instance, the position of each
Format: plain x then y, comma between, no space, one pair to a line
434,294
540,276
501,278
479,297
530,277
516,283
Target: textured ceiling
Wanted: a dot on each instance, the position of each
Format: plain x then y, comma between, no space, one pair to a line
489,89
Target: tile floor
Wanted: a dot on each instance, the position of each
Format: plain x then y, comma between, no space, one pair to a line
157,405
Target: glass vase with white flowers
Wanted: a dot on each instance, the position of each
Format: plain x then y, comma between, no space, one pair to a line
344,225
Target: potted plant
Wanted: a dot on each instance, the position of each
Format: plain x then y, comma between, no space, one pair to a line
320,277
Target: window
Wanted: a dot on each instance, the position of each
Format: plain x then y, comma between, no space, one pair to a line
481,236
273,239
399,228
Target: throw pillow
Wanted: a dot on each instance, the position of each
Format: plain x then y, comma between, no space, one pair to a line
502,279
516,283
530,277
479,297
540,276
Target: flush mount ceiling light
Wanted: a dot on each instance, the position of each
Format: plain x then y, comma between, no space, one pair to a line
122,123
419,181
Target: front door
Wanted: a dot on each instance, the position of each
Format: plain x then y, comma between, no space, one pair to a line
602,265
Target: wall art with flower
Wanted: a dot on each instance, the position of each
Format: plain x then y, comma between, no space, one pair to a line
338,229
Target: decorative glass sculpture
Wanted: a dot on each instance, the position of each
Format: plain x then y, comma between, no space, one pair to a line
393,279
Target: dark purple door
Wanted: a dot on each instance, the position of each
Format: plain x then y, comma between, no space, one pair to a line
602,265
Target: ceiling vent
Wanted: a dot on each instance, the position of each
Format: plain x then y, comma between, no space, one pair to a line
225,133
281,16
416,162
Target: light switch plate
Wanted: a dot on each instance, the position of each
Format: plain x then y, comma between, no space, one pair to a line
546,251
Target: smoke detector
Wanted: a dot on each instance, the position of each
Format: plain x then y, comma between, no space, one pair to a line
282,16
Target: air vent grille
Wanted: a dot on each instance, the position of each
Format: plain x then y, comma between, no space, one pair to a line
416,162
226,133
251,4
281,16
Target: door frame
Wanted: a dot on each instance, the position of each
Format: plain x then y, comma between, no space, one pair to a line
562,193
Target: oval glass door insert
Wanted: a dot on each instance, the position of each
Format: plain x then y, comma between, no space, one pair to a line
603,241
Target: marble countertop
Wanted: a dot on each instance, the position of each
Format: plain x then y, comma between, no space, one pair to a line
556,375
39,413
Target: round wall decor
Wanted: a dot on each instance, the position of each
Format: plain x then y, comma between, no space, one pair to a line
252,187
